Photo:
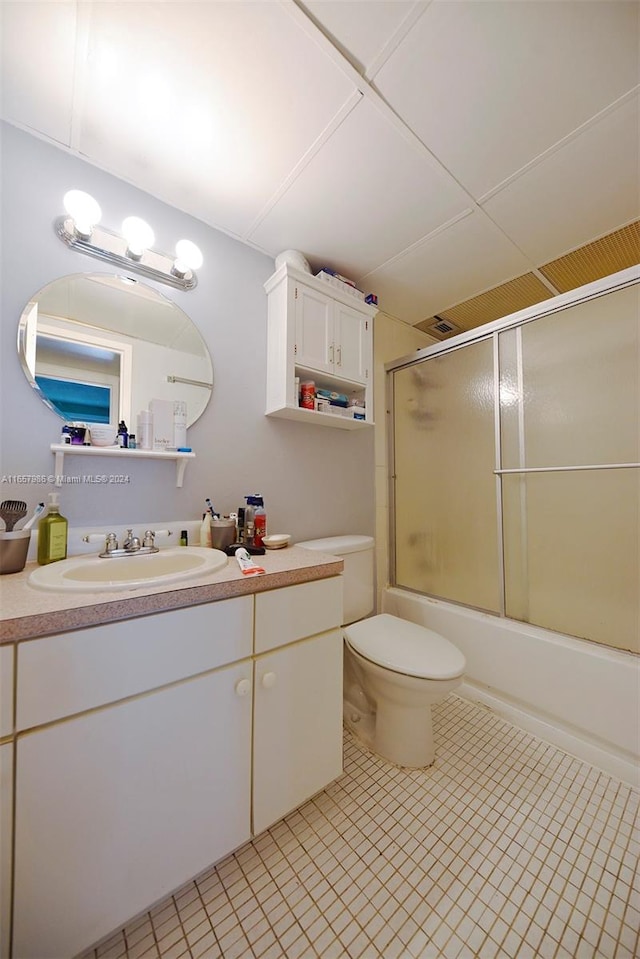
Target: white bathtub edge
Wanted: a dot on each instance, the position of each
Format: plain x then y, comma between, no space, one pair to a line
614,764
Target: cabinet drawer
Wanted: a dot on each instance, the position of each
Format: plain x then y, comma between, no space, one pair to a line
73,672
284,615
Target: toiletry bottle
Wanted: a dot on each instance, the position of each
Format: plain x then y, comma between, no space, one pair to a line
184,537
52,534
240,525
205,530
123,435
179,423
260,521
145,430
132,444
249,521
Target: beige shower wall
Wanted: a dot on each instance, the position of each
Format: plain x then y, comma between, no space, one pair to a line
392,339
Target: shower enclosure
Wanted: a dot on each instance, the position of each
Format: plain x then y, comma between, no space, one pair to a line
514,452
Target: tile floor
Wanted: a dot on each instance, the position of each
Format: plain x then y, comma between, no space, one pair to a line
506,847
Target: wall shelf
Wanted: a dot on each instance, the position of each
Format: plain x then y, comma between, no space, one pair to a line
303,415
60,450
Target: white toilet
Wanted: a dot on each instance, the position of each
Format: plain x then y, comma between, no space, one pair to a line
394,669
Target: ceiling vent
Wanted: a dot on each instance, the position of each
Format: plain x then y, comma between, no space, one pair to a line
442,327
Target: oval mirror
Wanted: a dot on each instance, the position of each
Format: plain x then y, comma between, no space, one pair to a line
98,347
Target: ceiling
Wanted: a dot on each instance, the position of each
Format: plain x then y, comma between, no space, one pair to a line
431,151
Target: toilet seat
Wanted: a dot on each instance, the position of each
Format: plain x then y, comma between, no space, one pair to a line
405,647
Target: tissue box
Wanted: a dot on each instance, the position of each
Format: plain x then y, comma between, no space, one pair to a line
162,424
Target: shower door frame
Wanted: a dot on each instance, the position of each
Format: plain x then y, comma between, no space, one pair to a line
491,331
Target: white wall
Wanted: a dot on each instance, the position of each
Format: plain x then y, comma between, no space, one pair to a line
315,480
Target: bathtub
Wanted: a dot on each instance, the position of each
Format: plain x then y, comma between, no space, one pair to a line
577,695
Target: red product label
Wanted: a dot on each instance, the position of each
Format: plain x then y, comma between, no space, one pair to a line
260,530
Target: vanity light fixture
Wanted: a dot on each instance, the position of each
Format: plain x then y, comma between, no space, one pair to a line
131,250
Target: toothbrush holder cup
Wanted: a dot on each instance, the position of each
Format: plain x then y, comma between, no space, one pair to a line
14,547
223,533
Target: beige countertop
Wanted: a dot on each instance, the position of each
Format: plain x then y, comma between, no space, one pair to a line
27,613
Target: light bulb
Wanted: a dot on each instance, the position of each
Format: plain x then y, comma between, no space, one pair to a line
189,257
84,211
138,234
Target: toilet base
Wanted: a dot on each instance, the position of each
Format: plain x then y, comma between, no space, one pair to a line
404,740
405,736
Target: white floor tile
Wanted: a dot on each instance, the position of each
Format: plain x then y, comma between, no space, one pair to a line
505,847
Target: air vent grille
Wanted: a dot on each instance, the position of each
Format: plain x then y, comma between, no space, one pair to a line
443,327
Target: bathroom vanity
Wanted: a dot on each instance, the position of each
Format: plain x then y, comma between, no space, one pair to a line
147,749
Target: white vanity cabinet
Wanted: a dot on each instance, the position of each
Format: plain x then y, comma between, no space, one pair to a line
118,807
6,816
320,333
146,750
297,739
133,768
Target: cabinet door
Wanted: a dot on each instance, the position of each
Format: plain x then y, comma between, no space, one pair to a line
353,337
116,808
6,806
297,739
314,346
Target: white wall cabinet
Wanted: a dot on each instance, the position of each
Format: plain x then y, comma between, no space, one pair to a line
118,807
321,333
331,337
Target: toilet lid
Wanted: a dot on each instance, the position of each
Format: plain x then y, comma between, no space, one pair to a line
405,647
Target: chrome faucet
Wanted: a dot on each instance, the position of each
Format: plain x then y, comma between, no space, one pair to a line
131,543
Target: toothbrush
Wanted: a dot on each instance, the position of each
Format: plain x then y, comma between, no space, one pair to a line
37,512
214,515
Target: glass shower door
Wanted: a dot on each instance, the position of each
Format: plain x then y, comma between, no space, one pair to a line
569,407
444,487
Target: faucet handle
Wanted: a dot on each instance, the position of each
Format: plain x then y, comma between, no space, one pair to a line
111,543
100,538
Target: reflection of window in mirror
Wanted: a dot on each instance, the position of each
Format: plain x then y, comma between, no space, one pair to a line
86,402
67,352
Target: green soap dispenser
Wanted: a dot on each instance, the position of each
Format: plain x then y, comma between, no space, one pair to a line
52,534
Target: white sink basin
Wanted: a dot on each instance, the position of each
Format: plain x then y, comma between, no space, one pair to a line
89,574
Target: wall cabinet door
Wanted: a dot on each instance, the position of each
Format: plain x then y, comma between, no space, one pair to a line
314,329
297,740
118,807
353,353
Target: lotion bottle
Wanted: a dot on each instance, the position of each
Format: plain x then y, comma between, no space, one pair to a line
52,534
205,530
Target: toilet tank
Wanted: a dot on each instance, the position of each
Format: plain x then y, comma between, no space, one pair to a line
357,555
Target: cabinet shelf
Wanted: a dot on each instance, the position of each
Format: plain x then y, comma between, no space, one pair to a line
303,415
60,450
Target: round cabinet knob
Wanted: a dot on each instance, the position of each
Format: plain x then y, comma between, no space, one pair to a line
269,680
243,686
